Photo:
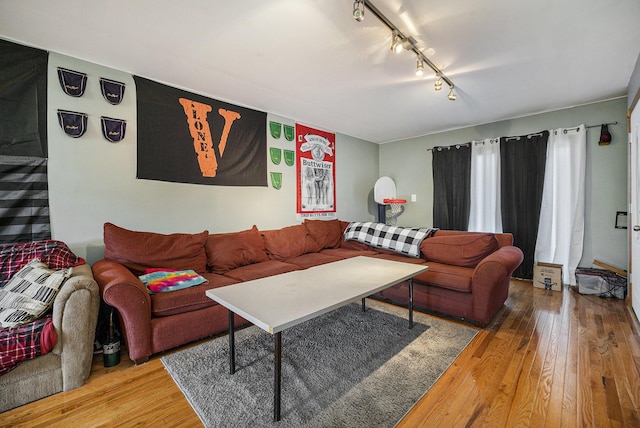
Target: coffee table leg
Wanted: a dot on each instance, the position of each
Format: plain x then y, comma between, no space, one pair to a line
363,305
232,345
277,376
411,303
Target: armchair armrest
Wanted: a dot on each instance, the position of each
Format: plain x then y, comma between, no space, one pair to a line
75,314
121,289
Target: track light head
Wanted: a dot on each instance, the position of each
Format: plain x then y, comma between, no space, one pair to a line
419,67
396,42
438,84
452,95
358,10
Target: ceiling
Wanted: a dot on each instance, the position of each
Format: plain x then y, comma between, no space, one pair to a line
310,61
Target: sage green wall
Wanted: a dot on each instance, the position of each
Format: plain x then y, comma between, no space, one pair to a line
408,163
93,181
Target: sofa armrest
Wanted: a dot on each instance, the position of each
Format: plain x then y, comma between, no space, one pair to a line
500,263
490,282
75,314
120,288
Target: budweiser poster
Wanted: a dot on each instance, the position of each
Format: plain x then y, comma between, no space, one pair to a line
188,138
316,173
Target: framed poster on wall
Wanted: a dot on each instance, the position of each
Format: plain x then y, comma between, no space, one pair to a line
315,173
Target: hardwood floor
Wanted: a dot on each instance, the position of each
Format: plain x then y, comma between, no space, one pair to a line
548,359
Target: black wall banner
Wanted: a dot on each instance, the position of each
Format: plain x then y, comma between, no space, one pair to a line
23,100
188,138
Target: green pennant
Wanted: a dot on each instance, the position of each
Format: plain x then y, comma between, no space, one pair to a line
276,155
288,132
276,129
289,157
276,180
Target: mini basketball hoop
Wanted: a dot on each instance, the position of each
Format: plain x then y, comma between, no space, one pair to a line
384,194
396,208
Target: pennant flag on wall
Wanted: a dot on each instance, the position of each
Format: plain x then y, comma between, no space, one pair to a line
73,83
112,91
24,199
188,138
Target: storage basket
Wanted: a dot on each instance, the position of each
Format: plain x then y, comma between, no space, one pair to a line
601,282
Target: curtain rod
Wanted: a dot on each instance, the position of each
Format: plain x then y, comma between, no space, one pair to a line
491,141
595,126
517,137
590,126
457,146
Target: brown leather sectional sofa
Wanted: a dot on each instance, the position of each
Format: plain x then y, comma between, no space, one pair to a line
468,276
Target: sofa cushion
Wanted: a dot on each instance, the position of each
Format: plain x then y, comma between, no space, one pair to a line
30,293
326,233
227,251
261,270
55,254
188,299
289,242
141,250
398,258
459,250
447,276
345,253
312,259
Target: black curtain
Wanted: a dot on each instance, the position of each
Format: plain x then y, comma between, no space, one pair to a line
451,187
522,163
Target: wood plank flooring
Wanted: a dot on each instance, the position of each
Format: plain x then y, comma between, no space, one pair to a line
548,359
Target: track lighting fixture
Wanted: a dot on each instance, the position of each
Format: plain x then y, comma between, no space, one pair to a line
419,67
396,42
452,95
438,84
400,41
358,10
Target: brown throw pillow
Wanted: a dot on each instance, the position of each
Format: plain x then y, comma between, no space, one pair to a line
141,250
289,242
227,251
327,233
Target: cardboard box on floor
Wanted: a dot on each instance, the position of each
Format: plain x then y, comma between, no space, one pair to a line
547,276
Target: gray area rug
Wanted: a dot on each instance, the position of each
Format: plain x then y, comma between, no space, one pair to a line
347,368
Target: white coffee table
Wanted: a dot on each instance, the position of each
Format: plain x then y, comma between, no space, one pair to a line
278,302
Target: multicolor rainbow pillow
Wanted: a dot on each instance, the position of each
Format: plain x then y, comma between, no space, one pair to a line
163,280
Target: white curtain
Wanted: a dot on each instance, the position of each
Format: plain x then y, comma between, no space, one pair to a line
561,228
485,213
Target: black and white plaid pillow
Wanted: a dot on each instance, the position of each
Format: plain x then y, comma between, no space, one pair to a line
402,240
30,293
